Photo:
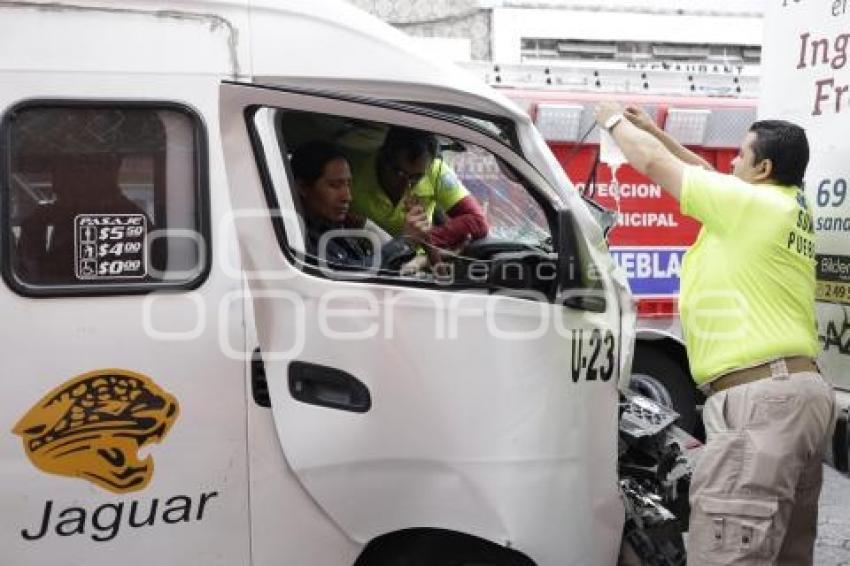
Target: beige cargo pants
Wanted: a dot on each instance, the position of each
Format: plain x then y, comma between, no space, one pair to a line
754,493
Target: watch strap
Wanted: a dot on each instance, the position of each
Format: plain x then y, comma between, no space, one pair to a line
612,121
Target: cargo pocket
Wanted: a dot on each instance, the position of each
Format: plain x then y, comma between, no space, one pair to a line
768,409
725,531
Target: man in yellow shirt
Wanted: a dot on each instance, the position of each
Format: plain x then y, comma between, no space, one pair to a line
747,311
402,186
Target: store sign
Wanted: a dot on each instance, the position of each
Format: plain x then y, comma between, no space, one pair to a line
806,79
651,272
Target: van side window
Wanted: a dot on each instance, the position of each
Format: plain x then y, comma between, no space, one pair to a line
105,197
486,227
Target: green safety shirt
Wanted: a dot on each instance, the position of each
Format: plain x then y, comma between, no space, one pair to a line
748,282
439,186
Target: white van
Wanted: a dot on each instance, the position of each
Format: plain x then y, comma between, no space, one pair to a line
181,386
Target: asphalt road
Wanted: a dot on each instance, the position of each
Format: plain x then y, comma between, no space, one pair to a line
832,547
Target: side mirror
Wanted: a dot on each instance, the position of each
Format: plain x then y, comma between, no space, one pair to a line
578,284
608,219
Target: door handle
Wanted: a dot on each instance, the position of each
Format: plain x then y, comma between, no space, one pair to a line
324,386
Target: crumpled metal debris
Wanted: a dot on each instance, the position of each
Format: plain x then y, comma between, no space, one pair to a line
656,462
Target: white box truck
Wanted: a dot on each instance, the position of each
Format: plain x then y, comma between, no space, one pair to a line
806,79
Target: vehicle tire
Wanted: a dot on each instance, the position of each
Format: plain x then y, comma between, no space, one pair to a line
659,547
660,377
437,547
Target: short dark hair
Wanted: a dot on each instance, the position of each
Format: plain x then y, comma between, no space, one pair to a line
309,160
409,143
786,146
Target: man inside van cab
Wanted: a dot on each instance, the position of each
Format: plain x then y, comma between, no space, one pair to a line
748,314
402,187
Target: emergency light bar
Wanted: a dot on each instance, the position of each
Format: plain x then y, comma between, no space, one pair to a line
687,125
559,122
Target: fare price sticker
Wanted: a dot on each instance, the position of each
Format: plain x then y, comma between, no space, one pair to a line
110,246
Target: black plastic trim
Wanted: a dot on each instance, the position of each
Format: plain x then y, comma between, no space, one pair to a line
329,387
841,442
259,382
512,141
202,195
427,546
572,291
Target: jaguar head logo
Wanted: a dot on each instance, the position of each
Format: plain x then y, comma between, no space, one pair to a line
93,425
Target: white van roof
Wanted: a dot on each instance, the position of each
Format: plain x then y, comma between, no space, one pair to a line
326,44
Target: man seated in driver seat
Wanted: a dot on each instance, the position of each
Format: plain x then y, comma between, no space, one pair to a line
323,181
402,186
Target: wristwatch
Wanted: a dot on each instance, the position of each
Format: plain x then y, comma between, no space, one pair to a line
612,121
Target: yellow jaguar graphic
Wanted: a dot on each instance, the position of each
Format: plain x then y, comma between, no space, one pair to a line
93,425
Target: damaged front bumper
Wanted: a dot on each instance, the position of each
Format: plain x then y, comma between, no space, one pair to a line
656,460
